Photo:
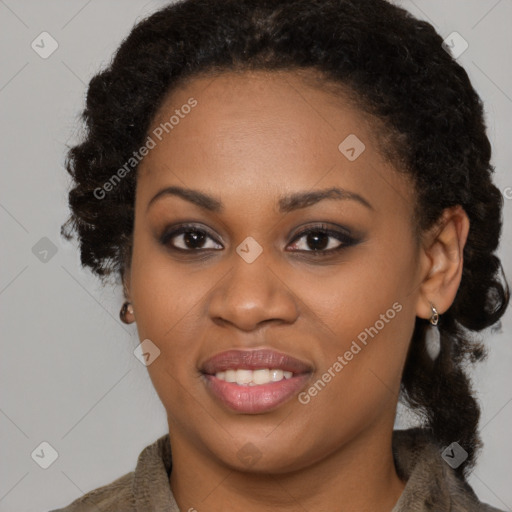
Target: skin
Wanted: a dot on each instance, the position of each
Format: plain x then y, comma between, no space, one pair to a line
252,138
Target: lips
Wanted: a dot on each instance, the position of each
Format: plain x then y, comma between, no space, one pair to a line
254,398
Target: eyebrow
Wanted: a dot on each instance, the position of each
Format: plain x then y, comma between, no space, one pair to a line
286,204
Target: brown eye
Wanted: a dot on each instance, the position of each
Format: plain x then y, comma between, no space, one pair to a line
322,240
188,238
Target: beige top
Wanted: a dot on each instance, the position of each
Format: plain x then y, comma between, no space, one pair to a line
432,485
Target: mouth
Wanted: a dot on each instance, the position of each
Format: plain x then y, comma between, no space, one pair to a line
254,381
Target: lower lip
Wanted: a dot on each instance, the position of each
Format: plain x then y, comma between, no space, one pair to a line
255,399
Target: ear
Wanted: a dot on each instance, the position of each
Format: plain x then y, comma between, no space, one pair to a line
442,261
126,269
128,315
126,283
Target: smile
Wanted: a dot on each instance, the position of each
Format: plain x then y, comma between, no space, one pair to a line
255,381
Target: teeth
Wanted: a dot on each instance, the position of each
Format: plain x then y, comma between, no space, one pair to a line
254,377
230,375
276,375
261,376
243,376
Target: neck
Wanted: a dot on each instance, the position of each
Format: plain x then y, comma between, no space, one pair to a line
359,476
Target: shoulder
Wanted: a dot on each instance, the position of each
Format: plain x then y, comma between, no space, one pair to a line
430,480
112,497
145,488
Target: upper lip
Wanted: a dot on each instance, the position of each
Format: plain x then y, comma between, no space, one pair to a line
253,360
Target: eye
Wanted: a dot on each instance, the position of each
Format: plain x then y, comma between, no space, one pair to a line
318,240
322,240
189,238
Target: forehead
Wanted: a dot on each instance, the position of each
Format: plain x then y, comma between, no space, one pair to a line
261,131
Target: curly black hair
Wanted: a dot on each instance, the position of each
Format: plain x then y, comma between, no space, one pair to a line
396,70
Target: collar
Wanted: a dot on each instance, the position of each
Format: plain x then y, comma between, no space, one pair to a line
418,462
150,484
430,483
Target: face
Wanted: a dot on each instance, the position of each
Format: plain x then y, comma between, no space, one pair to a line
269,248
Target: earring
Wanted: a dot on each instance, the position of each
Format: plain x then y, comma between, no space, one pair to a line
127,308
432,335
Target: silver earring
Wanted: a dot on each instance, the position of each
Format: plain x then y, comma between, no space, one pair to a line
432,335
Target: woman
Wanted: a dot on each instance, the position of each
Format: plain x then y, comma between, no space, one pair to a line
297,198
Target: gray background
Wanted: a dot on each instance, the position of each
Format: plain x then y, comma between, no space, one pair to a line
68,373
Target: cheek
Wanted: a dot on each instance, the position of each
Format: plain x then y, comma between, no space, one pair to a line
358,375
166,299
161,299
365,318
352,295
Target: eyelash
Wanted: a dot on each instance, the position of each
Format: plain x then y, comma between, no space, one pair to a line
344,239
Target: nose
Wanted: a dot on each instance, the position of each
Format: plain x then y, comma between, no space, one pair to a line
252,294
